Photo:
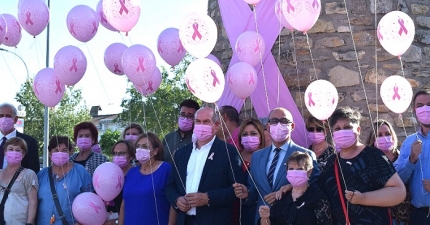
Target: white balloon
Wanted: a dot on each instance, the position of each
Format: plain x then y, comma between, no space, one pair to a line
396,93
321,99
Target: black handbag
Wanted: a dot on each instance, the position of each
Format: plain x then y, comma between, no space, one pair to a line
6,194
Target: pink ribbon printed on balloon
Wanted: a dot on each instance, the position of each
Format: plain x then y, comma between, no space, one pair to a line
396,93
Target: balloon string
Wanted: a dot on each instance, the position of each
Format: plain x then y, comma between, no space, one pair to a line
98,74
312,58
261,59
410,108
279,51
376,67
359,66
298,81
10,70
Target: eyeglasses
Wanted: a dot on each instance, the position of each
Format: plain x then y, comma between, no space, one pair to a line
190,117
119,153
283,121
312,129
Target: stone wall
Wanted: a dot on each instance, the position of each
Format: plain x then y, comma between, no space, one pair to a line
335,59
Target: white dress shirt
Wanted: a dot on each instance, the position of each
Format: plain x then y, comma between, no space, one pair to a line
195,166
282,154
9,136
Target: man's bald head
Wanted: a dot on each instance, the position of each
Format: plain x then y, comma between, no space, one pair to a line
284,111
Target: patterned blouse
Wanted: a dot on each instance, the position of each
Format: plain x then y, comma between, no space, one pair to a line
322,159
92,162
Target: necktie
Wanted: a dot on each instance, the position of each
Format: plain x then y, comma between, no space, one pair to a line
4,139
272,167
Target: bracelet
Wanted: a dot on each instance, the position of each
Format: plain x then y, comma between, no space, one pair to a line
208,198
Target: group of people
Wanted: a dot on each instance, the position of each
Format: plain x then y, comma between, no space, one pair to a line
215,169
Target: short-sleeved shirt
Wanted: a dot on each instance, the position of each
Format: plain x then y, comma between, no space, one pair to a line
16,206
368,171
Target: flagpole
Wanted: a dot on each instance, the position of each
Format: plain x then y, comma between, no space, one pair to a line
46,120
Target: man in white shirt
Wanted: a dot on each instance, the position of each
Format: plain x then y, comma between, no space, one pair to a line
8,117
200,187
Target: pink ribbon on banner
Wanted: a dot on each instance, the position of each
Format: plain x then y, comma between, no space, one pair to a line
28,20
396,93
315,3
402,27
116,69
72,27
189,86
58,90
181,47
215,78
149,88
196,31
94,27
289,6
380,37
251,79
160,50
123,8
118,184
140,66
74,67
311,101
95,207
96,181
257,46
102,18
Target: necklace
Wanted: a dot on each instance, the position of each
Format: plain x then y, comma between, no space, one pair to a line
301,194
325,147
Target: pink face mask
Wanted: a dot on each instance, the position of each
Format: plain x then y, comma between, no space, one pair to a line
316,137
60,158
279,132
84,144
297,178
185,124
131,137
96,148
203,132
250,143
120,160
143,155
344,138
6,124
13,157
423,114
384,143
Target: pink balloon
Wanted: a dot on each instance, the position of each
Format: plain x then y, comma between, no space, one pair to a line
88,208
102,17
252,2
70,65
170,47
33,16
3,29
113,58
396,93
82,23
48,88
152,85
205,80
396,31
13,31
242,79
280,16
198,34
250,47
139,64
321,99
108,180
121,14
214,58
301,14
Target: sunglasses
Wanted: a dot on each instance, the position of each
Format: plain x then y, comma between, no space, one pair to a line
312,129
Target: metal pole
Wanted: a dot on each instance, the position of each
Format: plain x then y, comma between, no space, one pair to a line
46,120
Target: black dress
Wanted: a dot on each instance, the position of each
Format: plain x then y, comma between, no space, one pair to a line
311,208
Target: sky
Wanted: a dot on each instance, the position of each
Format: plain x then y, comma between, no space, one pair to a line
99,86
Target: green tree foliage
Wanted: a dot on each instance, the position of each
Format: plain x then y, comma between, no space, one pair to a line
158,112
62,118
108,139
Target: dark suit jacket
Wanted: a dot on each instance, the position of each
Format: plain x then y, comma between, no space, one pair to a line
219,174
31,159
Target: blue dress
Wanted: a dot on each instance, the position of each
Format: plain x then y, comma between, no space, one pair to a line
138,194
76,181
